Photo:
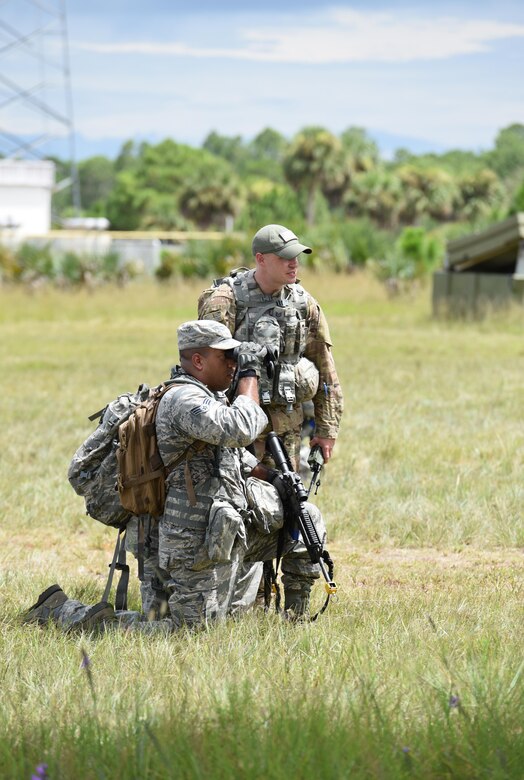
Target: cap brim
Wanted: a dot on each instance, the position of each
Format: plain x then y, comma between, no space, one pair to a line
293,250
225,344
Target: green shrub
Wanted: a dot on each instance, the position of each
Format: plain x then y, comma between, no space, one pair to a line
269,203
77,269
32,263
168,265
36,262
364,240
329,250
205,259
414,254
423,249
339,245
9,266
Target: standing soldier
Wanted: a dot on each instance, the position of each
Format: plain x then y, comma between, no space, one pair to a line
267,305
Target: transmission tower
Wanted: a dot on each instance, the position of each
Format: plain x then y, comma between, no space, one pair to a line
36,106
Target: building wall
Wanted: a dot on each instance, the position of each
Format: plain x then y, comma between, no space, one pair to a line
471,294
25,196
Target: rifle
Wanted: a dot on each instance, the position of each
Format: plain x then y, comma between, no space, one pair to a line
315,462
297,516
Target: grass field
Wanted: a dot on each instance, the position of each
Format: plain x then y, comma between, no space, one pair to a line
415,671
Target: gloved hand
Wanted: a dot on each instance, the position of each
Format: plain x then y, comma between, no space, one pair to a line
250,359
275,478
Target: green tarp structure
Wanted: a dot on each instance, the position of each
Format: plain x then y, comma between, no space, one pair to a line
482,271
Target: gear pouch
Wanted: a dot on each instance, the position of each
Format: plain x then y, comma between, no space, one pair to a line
225,527
264,501
286,383
295,332
266,331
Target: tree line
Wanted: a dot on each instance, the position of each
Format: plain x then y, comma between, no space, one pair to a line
336,191
313,178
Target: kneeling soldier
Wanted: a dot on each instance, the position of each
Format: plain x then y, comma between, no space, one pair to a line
218,512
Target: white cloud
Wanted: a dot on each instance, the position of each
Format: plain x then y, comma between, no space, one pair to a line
342,36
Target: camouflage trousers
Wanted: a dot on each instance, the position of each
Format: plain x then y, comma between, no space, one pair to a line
298,573
198,596
71,614
152,592
201,591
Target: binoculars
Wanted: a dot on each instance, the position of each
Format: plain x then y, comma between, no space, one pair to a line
270,358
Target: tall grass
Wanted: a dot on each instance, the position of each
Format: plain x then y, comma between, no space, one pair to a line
416,668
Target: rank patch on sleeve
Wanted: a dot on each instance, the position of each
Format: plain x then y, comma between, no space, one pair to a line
198,410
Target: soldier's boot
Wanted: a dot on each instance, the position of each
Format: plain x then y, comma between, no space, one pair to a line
265,588
48,601
96,615
158,610
296,603
155,599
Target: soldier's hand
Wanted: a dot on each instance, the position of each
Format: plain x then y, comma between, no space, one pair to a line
250,358
275,478
326,445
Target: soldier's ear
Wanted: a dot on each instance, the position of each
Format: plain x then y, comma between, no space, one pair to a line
197,360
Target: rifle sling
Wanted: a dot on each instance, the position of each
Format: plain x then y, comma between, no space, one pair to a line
118,562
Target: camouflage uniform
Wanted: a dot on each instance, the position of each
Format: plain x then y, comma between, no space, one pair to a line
209,485
292,320
152,592
203,590
215,515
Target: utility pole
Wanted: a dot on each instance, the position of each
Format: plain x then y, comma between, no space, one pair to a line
36,98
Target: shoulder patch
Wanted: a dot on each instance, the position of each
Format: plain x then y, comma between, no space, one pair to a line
201,408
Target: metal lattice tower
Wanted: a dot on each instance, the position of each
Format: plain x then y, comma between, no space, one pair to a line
36,106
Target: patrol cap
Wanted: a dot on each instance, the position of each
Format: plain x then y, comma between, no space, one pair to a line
280,241
205,333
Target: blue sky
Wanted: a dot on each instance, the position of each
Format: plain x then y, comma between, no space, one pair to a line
422,75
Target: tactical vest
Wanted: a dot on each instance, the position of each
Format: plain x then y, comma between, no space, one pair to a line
276,321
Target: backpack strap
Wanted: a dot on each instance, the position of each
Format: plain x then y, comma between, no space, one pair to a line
194,447
186,455
140,548
123,582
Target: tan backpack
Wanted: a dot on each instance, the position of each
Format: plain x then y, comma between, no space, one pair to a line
141,472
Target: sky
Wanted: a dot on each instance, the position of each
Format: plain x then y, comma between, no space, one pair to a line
429,76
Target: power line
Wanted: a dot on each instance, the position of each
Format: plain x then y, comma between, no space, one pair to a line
36,98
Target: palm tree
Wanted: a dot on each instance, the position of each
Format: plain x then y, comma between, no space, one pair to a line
427,192
315,161
363,152
376,194
210,196
479,194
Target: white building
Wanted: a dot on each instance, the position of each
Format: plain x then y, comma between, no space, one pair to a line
26,187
